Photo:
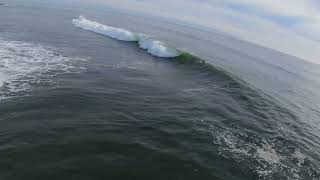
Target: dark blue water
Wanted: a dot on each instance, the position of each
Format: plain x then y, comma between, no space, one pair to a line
79,105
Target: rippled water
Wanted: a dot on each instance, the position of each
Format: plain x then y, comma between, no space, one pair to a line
79,105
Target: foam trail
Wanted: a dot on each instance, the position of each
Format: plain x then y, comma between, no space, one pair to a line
154,47
25,65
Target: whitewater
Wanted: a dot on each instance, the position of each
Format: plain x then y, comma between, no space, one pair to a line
24,65
154,47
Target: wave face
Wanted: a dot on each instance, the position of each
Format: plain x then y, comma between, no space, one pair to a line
154,47
24,65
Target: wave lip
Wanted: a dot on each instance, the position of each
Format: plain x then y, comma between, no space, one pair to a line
157,48
154,47
115,33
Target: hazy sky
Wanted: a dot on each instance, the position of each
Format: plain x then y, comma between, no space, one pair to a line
290,26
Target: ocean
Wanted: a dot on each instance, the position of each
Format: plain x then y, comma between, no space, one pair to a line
89,92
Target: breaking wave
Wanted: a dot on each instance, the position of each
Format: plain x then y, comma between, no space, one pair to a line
154,47
25,65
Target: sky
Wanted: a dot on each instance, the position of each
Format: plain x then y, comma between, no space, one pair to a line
289,26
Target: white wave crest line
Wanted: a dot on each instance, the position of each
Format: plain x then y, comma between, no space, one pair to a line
154,47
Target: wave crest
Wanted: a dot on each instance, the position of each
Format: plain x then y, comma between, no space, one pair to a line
115,33
154,47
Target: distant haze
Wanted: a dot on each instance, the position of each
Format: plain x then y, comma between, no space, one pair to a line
289,26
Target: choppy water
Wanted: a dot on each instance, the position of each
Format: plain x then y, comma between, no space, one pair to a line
79,105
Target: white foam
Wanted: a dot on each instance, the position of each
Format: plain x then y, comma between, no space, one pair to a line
157,48
271,159
268,154
299,157
154,47
116,33
24,65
